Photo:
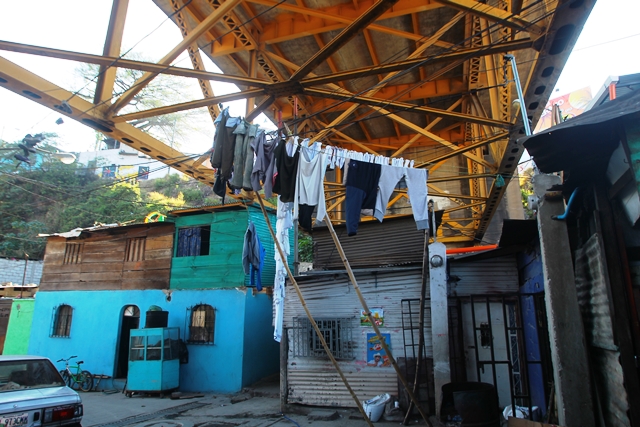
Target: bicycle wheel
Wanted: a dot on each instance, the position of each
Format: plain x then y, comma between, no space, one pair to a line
85,380
65,377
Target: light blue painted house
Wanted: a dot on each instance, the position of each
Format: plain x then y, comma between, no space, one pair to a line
98,284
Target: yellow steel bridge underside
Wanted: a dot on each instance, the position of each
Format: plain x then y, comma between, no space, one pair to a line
419,79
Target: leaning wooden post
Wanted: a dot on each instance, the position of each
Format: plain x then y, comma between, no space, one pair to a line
304,305
423,297
372,320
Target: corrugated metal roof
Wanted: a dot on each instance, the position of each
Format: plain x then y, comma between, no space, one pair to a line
113,227
582,141
395,241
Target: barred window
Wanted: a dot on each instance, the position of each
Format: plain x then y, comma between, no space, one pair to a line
201,324
72,253
337,333
62,316
135,249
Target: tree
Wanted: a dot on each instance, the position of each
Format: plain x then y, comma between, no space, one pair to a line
50,197
163,90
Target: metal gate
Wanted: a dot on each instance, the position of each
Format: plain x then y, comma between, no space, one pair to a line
506,343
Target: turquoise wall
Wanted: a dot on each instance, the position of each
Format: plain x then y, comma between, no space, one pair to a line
96,325
19,328
222,268
262,353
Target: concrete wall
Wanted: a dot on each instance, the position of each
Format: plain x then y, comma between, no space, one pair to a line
127,160
96,326
12,270
261,352
19,329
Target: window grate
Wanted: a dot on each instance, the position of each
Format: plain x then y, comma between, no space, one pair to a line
72,252
135,249
337,332
61,327
202,320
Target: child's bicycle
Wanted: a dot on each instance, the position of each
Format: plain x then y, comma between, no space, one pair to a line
82,379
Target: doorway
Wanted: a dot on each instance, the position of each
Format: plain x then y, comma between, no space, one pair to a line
130,320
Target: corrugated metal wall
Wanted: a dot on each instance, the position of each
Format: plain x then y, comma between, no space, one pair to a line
372,246
487,276
313,381
594,300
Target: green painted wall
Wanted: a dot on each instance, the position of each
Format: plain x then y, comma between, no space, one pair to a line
19,329
222,268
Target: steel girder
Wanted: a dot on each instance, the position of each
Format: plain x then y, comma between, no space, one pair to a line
419,79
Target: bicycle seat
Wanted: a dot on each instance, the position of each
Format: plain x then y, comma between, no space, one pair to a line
80,362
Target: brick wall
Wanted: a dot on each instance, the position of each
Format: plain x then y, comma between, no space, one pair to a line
12,270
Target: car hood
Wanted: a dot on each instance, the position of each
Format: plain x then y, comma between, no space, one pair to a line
27,398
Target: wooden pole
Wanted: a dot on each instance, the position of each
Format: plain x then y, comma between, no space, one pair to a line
423,297
309,315
372,320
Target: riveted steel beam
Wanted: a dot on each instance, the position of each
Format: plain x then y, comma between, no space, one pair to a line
130,64
461,54
107,75
37,89
495,15
202,27
215,100
196,58
403,106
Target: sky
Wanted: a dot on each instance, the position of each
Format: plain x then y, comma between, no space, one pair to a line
607,47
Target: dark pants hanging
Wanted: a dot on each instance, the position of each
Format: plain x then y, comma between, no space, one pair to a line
362,186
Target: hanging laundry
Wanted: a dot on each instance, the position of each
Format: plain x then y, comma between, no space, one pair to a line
243,155
251,249
287,165
223,151
284,223
416,180
310,185
255,274
362,184
265,164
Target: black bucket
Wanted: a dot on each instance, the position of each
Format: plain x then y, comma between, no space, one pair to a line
157,319
476,403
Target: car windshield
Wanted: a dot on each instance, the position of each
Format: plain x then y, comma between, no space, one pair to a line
27,374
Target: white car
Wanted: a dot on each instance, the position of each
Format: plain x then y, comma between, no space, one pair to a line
33,394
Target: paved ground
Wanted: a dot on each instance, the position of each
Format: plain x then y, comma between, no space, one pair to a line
257,406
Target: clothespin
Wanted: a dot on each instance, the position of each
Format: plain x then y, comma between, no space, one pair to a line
287,128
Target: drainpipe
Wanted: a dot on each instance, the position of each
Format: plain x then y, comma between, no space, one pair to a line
523,108
24,275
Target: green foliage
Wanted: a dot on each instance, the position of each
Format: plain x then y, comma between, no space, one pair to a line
51,197
22,238
305,247
526,189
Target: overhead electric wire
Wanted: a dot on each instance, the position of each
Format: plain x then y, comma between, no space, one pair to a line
136,84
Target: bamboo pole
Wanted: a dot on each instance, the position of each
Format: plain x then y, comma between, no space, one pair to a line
309,315
423,297
372,320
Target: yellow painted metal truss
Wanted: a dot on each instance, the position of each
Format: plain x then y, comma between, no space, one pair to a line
421,79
